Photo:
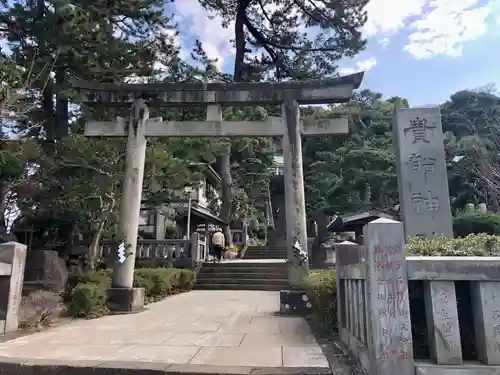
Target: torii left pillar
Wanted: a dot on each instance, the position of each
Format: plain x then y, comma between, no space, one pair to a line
122,296
294,300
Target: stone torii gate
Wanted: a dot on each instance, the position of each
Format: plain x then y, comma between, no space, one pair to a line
138,127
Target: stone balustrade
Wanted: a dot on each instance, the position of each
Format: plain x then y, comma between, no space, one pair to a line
170,251
417,315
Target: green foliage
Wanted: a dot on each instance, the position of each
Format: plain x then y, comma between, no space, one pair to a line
471,122
345,174
357,171
234,248
86,293
101,277
471,245
476,222
88,300
162,282
321,288
279,35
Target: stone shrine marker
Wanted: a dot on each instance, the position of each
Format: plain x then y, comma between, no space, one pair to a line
421,167
12,262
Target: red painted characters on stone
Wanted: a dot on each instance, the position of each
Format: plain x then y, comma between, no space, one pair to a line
389,281
393,355
388,250
387,265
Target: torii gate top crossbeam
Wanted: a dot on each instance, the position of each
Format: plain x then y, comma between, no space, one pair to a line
327,91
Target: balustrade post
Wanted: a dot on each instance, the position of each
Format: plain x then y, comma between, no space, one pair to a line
486,313
389,335
195,247
442,322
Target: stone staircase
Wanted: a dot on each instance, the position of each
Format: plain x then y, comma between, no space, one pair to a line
266,252
243,275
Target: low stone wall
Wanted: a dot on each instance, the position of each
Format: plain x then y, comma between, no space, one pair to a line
417,315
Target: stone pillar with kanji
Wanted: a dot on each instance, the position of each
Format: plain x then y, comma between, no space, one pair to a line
421,168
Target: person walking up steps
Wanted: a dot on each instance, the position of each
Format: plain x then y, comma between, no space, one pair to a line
218,242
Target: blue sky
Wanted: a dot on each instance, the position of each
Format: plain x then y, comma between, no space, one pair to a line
423,50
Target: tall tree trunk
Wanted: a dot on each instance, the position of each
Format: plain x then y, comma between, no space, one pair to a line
62,115
93,251
48,112
225,159
239,33
227,193
3,206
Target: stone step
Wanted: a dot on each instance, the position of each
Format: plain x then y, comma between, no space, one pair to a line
243,275
240,281
277,251
242,271
240,287
246,265
266,248
266,251
265,255
260,251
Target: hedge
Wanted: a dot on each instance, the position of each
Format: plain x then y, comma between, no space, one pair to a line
86,293
476,222
471,245
321,287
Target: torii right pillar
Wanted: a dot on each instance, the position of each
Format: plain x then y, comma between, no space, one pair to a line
295,300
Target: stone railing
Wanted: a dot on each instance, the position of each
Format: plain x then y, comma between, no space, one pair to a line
12,262
171,252
417,315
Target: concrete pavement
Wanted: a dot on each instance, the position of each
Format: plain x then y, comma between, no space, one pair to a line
200,331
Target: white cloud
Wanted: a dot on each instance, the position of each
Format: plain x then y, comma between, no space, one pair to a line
436,27
445,29
384,42
361,66
387,17
215,38
494,7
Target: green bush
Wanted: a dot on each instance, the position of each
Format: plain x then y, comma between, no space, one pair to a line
92,277
476,222
471,245
162,282
86,293
234,248
88,300
321,287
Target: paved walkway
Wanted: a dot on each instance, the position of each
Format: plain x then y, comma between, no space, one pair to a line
208,328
